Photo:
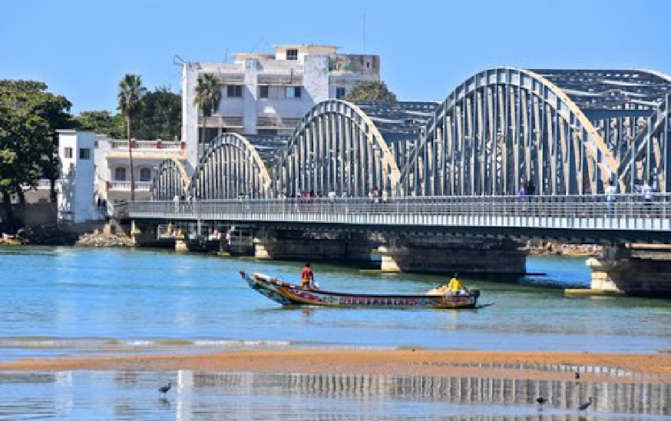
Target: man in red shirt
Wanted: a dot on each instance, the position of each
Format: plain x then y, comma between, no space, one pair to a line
307,277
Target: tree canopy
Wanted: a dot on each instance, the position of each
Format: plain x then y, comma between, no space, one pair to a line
131,92
208,94
370,91
159,116
29,118
101,122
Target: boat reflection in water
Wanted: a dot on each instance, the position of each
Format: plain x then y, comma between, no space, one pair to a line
245,396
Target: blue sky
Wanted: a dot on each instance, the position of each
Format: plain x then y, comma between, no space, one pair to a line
82,48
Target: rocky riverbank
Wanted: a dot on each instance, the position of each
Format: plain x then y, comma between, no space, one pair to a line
107,237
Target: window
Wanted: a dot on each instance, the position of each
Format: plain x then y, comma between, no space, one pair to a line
292,54
263,91
68,152
120,174
234,91
145,174
340,92
293,92
84,153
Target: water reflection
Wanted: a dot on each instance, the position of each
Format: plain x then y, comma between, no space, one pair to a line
131,395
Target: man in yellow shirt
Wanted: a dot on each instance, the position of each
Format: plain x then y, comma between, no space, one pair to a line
455,286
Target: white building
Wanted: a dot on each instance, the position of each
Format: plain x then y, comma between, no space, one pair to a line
268,94
112,166
75,185
95,170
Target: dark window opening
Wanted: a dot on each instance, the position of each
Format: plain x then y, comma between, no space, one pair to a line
234,91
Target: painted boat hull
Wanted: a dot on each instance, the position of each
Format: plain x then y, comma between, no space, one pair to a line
290,294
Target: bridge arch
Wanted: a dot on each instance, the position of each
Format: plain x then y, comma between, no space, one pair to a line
504,127
230,167
336,148
171,179
648,158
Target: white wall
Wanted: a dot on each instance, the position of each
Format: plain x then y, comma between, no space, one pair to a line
76,183
190,73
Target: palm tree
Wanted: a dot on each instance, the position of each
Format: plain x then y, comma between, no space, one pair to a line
208,96
131,92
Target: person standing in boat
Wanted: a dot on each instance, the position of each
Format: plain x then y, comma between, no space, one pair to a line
456,287
307,277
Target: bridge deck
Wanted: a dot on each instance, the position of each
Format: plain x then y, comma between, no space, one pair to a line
630,218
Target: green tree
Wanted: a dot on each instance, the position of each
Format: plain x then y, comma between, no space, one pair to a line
101,122
370,91
160,116
26,150
32,97
208,97
131,92
28,98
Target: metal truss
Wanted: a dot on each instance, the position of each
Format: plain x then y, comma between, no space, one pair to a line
230,168
503,128
336,148
567,132
648,158
170,180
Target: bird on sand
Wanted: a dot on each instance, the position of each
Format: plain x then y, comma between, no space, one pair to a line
586,405
541,400
164,389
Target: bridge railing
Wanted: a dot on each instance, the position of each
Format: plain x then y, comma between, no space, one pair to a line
625,206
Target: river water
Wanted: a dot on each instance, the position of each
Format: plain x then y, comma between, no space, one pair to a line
59,302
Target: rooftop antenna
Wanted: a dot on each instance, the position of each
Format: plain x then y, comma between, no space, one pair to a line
364,33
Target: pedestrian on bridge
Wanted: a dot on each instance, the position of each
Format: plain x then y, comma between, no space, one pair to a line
611,197
648,195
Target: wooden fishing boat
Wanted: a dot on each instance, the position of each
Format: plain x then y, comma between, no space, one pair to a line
290,294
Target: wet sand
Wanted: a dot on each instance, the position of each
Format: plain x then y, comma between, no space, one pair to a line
507,365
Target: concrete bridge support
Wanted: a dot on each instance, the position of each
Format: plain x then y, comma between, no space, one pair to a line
442,254
625,270
287,245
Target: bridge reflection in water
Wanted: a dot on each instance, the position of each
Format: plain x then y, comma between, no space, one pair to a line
245,396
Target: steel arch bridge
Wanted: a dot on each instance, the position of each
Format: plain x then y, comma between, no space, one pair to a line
336,148
231,167
170,180
566,131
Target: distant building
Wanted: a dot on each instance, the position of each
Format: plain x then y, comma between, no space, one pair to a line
268,94
75,185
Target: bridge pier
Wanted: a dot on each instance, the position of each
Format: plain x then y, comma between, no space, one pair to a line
622,269
439,254
285,245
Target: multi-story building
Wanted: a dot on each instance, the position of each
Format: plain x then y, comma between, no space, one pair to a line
268,94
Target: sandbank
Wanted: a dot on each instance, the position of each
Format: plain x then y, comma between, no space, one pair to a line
602,367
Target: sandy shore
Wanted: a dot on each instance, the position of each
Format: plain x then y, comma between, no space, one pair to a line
509,365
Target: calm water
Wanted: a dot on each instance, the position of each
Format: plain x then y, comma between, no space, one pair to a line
63,301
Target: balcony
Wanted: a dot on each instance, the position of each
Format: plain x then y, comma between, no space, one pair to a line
146,145
125,186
